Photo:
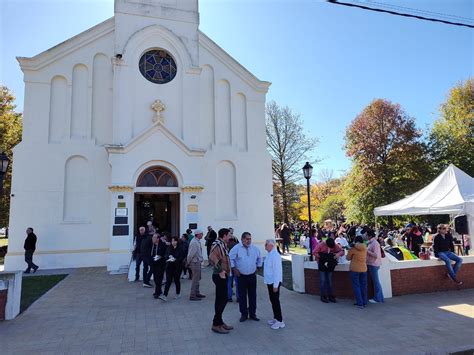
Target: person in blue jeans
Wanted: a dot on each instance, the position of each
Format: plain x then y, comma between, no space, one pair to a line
358,271
443,247
326,254
374,261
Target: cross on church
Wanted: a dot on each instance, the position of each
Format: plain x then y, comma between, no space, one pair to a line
158,106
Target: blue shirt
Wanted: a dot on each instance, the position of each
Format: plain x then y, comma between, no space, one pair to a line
245,259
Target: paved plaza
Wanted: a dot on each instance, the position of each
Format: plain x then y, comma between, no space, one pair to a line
94,312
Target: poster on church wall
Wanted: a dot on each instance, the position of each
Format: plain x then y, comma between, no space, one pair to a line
121,212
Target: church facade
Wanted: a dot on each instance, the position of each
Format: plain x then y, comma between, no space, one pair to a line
142,117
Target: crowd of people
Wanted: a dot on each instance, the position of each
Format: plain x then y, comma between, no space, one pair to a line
364,248
234,264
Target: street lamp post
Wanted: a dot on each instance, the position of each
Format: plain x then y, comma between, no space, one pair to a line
307,171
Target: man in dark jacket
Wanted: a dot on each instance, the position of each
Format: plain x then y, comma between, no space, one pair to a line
210,238
30,247
137,252
443,247
145,253
158,263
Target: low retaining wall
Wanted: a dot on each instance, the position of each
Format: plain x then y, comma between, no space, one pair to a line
396,277
423,278
10,296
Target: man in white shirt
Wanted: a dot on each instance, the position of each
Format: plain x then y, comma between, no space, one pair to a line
272,275
244,260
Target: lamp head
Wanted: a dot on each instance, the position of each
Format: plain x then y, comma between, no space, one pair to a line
307,170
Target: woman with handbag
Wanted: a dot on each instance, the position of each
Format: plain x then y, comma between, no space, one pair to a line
326,254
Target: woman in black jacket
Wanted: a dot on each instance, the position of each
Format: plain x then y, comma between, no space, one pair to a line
158,260
174,261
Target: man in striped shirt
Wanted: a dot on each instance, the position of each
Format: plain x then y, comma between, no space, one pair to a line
219,259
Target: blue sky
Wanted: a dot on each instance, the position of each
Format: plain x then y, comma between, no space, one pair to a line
326,62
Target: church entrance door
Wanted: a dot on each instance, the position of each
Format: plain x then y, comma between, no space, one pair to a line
160,208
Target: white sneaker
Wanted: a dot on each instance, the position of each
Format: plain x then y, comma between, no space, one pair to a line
278,325
163,298
271,321
177,297
147,285
372,301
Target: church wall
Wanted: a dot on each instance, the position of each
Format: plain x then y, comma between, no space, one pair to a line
226,190
86,98
240,118
223,113
44,188
247,154
133,100
47,197
58,109
207,107
80,113
102,77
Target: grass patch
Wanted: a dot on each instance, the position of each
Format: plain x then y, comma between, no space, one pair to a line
298,250
287,276
36,286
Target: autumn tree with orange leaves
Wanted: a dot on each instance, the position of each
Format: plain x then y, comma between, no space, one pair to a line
388,158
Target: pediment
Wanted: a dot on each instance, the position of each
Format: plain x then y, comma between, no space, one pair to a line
64,48
149,132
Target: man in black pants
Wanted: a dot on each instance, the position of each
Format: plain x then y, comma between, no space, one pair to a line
145,253
30,247
272,276
158,264
244,260
137,253
219,259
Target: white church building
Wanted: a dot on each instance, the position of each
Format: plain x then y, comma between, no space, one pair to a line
142,117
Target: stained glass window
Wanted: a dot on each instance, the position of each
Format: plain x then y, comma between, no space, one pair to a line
157,176
157,66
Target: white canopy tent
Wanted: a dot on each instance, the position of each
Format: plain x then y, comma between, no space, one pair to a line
451,193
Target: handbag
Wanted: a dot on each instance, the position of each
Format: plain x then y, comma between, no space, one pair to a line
327,262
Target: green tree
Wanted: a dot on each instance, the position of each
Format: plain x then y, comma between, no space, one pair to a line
452,138
288,146
10,136
389,159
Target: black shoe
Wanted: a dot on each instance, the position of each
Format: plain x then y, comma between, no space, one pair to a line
200,296
155,296
324,299
35,269
243,318
254,317
136,279
27,271
332,299
195,299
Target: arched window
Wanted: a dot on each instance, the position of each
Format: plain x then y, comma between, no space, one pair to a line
157,176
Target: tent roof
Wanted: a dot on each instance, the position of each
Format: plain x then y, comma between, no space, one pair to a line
451,192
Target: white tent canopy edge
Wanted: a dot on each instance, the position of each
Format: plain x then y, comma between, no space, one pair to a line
452,192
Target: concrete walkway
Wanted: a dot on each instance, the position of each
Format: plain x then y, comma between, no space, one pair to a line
94,312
